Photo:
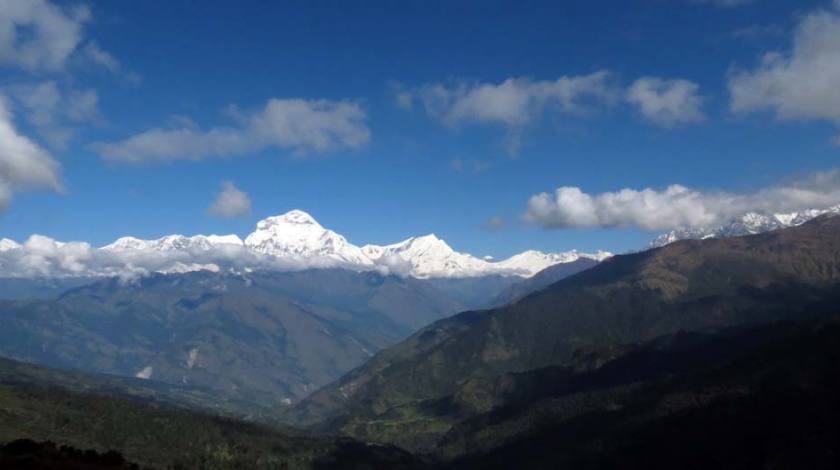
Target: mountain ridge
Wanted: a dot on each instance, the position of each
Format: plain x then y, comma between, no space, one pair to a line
750,223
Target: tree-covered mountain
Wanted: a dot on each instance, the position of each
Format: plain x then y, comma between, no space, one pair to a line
413,393
45,423
743,398
267,338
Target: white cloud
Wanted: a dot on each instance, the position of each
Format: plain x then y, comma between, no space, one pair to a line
800,84
36,35
52,112
23,164
230,202
667,103
513,102
311,125
516,103
676,206
303,126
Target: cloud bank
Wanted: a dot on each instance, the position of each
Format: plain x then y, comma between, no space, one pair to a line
676,206
44,257
302,126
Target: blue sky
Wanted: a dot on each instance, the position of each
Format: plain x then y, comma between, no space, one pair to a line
398,163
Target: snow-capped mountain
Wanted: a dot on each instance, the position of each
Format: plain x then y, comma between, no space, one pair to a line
294,240
428,256
174,242
747,224
297,234
532,261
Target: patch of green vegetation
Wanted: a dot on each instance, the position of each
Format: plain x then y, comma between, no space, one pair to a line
160,436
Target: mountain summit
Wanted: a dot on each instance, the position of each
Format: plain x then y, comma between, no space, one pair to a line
297,234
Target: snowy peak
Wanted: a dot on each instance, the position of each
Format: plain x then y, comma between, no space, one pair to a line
297,234
750,223
292,218
531,262
428,256
174,243
428,245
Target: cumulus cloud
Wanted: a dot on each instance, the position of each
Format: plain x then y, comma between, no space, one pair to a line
302,126
36,35
23,164
667,103
799,84
230,202
676,206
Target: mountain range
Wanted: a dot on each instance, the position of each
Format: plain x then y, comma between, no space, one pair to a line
264,337
291,241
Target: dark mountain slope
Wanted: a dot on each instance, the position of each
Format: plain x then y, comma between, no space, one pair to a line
764,398
541,280
688,285
264,338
